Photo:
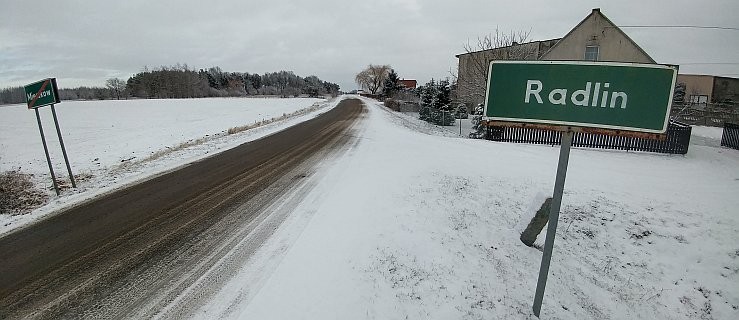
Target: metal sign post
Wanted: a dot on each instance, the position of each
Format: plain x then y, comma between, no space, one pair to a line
46,150
64,150
44,93
559,186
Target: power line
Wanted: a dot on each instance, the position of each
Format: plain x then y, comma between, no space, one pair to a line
682,26
722,63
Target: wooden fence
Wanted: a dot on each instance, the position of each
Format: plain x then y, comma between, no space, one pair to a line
677,141
730,137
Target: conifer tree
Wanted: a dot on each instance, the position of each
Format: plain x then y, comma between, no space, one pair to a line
443,99
391,85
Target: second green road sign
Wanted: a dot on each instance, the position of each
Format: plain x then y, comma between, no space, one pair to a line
41,93
622,96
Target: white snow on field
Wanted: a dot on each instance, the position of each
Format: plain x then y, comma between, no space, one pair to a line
113,143
410,225
102,133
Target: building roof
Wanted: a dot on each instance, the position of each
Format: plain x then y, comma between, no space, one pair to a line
512,45
596,11
703,75
408,83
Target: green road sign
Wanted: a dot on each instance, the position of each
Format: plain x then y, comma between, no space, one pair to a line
42,93
622,96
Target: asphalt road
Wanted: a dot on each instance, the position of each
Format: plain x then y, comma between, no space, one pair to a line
140,251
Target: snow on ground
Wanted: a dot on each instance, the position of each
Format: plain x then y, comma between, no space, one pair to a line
410,119
114,143
707,132
412,225
707,136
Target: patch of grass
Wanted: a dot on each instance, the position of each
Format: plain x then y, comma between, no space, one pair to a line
18,194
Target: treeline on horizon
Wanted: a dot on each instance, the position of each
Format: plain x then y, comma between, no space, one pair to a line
179,81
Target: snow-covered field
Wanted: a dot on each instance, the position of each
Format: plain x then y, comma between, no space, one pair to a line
113,143
411,225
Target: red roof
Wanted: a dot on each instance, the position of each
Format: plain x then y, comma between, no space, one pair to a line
409,84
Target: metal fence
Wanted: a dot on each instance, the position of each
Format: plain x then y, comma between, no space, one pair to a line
707,116
730,137
677,141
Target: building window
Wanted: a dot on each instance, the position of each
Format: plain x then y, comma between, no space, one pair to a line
698,99
591,53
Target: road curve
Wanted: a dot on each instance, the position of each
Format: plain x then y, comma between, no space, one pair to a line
132,253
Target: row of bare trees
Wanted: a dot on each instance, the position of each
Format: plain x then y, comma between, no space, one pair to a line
12,95
179,81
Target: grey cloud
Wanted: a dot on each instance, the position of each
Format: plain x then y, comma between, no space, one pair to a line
84,42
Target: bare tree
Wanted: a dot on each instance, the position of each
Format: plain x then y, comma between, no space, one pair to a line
373,77
363,79
116,87
472,71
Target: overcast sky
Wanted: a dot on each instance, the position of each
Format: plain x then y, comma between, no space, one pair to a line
86,42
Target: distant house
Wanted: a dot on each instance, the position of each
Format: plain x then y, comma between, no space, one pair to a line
595,38
408,83
703,89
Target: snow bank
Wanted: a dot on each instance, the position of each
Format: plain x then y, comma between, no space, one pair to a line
706,136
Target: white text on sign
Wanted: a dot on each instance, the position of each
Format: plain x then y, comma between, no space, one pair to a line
587,97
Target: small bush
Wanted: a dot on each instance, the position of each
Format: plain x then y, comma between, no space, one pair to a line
392,104
18,195
437,117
